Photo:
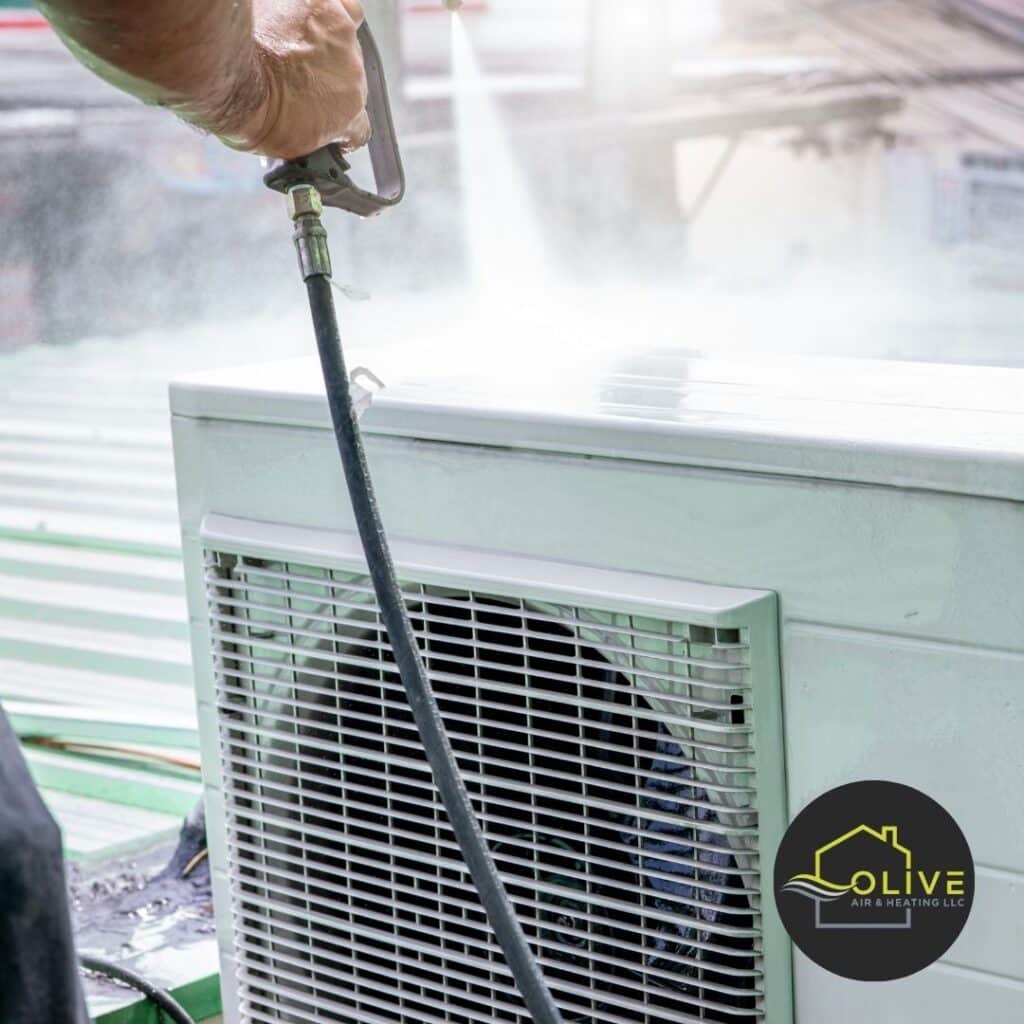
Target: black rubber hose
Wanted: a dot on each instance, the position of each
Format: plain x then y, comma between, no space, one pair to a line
482,869
163,1000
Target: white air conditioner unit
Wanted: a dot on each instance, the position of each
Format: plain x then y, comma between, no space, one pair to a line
595,577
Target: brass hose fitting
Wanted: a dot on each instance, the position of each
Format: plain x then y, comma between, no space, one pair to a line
305,208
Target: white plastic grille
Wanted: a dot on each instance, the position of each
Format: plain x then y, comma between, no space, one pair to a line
610,761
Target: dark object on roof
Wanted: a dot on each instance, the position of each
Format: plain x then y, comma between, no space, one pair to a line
189,857
40,973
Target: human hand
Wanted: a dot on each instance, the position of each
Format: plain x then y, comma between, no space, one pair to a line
278,77
312,79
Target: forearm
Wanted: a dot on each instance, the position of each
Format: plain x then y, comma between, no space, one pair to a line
182,54
281,77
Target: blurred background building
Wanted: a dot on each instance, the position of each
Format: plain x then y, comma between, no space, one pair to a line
854,167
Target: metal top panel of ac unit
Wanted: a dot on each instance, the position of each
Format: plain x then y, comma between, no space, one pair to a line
956,429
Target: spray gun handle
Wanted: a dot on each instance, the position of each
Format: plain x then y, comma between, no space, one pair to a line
327,169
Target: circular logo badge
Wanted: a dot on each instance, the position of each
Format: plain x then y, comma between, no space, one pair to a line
874,881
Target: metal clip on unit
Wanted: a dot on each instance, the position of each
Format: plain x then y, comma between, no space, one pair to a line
327,169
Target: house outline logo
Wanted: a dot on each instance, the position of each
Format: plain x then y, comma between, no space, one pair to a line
874,880
818,888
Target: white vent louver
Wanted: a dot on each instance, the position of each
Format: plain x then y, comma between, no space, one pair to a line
613,762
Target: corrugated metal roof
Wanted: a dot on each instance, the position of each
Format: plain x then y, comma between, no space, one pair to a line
93,623
91,822
92,606
92,593
92,597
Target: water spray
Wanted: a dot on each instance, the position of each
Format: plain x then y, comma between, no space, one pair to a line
311,183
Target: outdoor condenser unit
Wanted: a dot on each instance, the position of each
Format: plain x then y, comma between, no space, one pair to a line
595,568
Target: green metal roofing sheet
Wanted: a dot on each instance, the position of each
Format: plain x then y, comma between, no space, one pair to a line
93,624
89,824
94,629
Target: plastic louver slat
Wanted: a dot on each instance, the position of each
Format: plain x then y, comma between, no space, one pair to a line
609,757
329,587
358,865
655,817
488,817
300,706
317,654
291,654
342,990
452,864
287,802
393,687
338,626
460,965
482,937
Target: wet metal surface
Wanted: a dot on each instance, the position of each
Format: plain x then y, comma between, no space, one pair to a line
132,911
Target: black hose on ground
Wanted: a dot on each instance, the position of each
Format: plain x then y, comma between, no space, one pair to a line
440,755
163,1000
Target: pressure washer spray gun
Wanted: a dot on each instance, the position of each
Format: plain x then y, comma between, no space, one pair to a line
311,183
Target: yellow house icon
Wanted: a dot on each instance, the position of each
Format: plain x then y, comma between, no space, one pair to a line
887,834
858,879
856,850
